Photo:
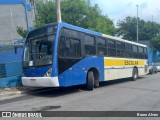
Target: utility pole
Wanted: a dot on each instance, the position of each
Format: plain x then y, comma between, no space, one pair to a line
34,17
137,23
59,19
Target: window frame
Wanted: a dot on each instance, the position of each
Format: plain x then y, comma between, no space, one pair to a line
69,38
121,49
87,45
100,46
111,48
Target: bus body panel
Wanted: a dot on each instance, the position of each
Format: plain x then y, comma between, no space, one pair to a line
40,81
77,74
36,72
117,68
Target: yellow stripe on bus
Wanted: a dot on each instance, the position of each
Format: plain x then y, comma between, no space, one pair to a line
119,62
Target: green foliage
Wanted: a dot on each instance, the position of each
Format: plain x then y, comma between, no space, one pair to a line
127,28
156,42
22,32
77,12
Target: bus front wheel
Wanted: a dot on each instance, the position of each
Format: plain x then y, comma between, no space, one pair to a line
135,74
90,80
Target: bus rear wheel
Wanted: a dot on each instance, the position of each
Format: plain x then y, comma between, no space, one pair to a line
135,74
90,80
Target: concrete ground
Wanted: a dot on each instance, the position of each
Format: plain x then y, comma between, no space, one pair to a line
10,93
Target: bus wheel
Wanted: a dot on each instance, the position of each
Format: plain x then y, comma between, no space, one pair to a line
152,72
135,74
156,71
90,81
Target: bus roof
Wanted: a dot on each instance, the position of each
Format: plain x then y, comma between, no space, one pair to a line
62,24
123,40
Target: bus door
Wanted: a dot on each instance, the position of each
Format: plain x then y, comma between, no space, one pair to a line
68,57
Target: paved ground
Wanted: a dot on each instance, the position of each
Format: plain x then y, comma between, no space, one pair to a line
119,95
9,93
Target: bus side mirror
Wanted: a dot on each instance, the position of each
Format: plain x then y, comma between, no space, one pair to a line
67,44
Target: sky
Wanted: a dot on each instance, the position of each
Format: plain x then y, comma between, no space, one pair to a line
119,9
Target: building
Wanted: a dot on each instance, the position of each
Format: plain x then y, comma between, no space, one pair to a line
15,13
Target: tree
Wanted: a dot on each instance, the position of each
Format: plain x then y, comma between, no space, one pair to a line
156,42
22,32
77,12
127,28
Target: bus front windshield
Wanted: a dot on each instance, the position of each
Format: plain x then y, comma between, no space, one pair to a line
38,50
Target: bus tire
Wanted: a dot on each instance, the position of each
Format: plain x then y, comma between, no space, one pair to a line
155,71
135,74
90,80
96,83
152,72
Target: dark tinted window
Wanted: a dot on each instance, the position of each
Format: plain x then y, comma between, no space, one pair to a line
70,47
141,53
42,31
111,52
101,42
62,47
140,49
120,49
102,51
111,43
111,48
75,49
89,40
135,53
135,48
146,53
120,45
128,47
145,50
101,47
128,51
90,46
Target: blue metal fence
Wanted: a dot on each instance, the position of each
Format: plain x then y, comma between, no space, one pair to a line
10,74
153,56
13,55
10,67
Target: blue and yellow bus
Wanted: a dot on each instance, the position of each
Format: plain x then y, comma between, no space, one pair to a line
62,55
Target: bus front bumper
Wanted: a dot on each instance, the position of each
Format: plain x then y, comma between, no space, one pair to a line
40,81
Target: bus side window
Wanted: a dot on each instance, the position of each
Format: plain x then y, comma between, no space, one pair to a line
146,53
75,49
62,46
101,47
90,45
111,48
128,50
135,51
141,55
120,49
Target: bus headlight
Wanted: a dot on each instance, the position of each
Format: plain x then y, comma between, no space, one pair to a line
48,73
